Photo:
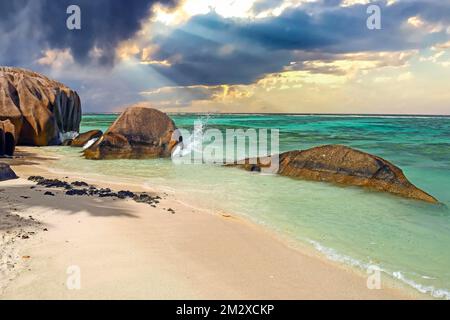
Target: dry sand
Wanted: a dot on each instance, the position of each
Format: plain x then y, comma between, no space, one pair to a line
128,250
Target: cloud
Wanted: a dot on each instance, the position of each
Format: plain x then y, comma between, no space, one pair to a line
261,46
332,28
218,51
19,32
104,24
181,96
56,59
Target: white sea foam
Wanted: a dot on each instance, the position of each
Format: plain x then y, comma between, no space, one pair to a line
90,143
434,292
193,143
333,255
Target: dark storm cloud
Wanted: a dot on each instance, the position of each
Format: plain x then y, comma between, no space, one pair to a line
326,26
104,24
19,32
268,45
213,62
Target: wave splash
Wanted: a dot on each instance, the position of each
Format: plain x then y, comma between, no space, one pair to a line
194,142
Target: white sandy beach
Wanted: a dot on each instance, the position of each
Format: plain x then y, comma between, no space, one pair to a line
128,250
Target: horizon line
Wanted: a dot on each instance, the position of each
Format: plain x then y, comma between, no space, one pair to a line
289,113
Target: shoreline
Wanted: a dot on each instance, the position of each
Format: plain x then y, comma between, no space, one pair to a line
258,263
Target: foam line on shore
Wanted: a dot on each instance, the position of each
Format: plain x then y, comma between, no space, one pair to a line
333,255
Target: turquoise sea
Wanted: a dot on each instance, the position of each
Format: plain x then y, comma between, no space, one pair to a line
407,239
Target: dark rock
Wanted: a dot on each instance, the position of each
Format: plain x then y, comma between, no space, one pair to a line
342,165
36,178
48,193
90,190
42,111
8,138
77,192
84,138
138,133
67,143
107,194
6,173
146,198
93,191
125,194
50,183
79,184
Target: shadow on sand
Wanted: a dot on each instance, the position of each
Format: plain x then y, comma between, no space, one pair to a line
16,199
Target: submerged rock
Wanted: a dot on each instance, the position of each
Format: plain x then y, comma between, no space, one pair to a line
8,138
85,137
138,133
343,165
43,111
6,173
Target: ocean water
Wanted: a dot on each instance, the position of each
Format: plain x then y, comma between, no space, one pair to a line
407,239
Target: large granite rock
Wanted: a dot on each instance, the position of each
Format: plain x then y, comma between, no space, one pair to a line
345,166
138,133
7,138
6,172
85,137
43,111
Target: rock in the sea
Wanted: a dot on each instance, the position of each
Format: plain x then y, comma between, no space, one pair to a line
138,133
67,143
44,112
84,138
7,138
6,173
346,166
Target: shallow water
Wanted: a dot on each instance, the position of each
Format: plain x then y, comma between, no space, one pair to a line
407,239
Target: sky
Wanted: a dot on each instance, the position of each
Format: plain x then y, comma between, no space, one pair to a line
274,56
